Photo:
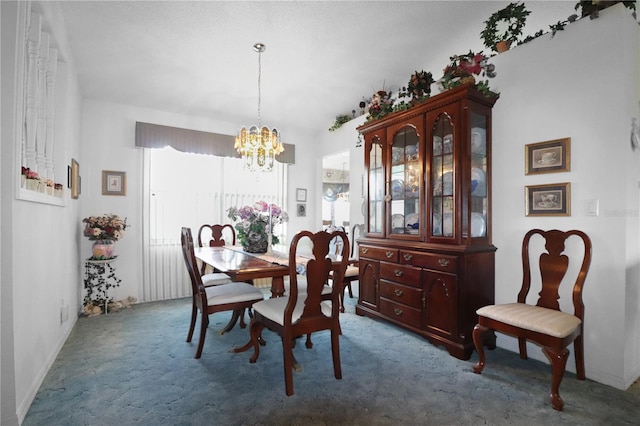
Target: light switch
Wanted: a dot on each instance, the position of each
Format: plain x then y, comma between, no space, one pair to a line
593,207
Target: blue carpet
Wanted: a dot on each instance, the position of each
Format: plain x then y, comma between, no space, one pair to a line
133,367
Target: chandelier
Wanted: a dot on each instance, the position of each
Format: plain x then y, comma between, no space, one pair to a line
259,145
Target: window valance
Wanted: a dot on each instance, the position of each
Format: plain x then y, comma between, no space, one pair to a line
195,141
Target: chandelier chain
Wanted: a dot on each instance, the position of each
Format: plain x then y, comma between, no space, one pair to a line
259,91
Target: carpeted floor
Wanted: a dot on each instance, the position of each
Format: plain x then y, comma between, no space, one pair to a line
133,367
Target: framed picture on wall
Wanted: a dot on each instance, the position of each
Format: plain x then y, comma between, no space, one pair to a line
74,179
548,157
548,200
301,195
301,210
114,183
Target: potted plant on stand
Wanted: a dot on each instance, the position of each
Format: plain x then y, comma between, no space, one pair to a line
504,27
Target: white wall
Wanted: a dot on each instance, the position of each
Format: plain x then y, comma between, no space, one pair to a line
39,257
583,84
108,134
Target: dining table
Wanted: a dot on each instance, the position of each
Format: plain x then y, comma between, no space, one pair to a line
245,267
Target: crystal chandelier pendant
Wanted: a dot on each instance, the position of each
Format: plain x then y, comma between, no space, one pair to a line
259,145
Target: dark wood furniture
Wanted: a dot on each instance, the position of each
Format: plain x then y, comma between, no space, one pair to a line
213,236
353,271
234,297
241,266
301,313
427,261
543,323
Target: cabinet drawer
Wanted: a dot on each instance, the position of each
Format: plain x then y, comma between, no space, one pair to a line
402,313
401,273
401,293
378,253
439,262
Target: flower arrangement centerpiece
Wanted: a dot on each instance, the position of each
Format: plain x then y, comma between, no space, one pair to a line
104,230
380,105
463,69
256,224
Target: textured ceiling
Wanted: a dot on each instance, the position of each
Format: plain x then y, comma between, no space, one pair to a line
322,58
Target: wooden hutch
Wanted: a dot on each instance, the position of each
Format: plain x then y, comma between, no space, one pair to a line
427,261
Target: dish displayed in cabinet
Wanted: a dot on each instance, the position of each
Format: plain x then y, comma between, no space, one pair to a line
447,144
411,222
478,140
437,145
444,184
478,182
397,222
478,225
411,152
397,188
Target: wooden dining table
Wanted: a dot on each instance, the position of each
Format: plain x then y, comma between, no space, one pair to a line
244,267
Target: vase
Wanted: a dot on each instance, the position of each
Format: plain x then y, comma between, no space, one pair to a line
503,46
103,249
256,242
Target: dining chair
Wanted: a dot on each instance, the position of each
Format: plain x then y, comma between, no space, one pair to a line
215,236
234,296
544,323
301,313
353,271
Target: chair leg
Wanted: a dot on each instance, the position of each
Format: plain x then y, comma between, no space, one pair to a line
242,323
335,351
478,332
558,360
287,352
578,348
204,323
350,290
522,346
308,343
192,326
256,337
343,286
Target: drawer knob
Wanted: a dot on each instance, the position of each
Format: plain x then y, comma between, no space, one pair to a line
389,254
407,256
398,292
364,250
397,273
398,311
443,262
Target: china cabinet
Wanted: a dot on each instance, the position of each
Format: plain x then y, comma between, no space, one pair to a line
426,260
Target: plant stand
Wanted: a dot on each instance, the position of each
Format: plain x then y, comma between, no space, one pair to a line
100,276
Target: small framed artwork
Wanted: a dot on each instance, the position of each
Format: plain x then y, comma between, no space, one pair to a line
548,157
301,195
301,210
73,178
548,200
114,183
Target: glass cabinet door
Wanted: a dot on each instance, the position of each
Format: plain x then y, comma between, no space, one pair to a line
376,187
405,182
442,178
478,177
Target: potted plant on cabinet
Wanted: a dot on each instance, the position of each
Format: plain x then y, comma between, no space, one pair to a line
504,27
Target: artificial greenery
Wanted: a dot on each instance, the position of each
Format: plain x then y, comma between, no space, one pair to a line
592,8
99,278
514,15
340,120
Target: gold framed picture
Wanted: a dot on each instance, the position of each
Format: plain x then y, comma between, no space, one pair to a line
548,157
114,183
548,200
74,178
